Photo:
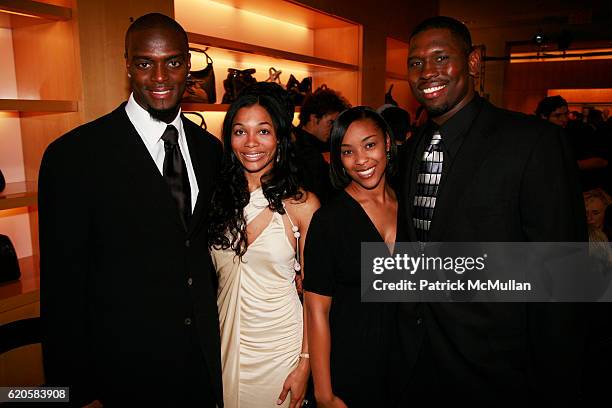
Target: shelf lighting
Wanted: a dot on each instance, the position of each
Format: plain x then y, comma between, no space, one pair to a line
555,56
20,14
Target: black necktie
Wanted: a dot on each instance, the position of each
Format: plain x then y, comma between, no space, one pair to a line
175,173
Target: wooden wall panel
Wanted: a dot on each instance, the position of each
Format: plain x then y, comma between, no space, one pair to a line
527,83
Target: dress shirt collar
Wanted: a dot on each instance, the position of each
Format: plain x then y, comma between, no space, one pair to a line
151,130
459,124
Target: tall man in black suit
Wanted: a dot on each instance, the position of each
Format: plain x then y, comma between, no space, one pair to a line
128,297
477,173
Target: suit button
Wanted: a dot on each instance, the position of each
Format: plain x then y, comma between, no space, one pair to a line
188,243
189,282
419,321
187,322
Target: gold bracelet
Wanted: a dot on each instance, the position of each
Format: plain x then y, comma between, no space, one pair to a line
304,355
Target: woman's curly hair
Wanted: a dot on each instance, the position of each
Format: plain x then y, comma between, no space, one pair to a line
227,225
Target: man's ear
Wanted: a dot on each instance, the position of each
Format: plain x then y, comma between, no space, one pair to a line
474,61
313,118
188,60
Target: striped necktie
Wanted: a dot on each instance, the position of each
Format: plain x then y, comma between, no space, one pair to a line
430,172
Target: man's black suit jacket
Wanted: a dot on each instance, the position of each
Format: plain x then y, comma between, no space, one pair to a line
127,295
512,180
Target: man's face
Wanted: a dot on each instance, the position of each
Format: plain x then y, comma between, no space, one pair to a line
157,63
559,116
440,73
322,127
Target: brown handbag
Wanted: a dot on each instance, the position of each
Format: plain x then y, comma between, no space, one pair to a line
201,84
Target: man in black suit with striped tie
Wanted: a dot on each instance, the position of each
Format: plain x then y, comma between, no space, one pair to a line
477,173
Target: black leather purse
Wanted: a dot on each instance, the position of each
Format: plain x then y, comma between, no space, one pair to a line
200,86
298,91
235,82
9,266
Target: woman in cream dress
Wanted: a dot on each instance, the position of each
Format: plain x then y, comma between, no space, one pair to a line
259,220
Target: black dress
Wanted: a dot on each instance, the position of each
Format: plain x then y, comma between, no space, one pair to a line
361,333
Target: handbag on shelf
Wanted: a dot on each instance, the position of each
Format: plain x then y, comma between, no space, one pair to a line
198,114
274,75
389,98
299,90
235,82
9,266
200,86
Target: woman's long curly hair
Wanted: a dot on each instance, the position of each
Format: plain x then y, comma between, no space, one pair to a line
227,225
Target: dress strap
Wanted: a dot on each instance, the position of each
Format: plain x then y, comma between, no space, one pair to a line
257,203
296,234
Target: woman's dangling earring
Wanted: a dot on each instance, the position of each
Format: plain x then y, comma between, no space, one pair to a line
388,156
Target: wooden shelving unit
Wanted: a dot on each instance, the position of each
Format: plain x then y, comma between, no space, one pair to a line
245,48
46,87
261,34
397,74
16,195
18,13
34,105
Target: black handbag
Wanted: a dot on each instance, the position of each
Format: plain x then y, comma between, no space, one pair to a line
203,124
9,266
298,91
389,98
235,82
200,86
2,181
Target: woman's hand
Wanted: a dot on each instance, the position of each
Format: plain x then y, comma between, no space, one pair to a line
296,382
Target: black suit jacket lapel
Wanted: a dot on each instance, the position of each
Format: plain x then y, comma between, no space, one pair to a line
475,147
148,182
201,175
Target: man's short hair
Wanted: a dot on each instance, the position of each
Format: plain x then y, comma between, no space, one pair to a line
322,102
456,27
550,104
155,20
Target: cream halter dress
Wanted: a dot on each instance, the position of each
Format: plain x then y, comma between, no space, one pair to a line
260,314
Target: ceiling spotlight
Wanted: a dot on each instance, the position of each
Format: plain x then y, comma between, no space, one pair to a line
538,38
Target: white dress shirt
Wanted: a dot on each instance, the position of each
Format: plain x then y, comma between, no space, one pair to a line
151,131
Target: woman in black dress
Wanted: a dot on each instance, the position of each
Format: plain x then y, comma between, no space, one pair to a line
348,340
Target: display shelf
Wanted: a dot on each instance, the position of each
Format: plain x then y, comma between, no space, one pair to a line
201,107
19,13
209,107
245,48
297,40
20,194
35,105
396,76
